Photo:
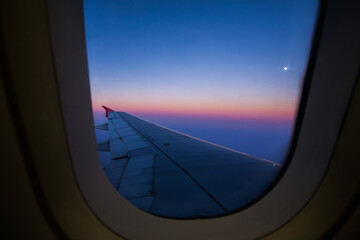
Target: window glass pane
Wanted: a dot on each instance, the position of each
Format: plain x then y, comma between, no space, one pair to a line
202,97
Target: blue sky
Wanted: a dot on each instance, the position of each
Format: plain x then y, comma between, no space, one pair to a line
214,58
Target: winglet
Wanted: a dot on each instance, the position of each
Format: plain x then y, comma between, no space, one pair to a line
108,110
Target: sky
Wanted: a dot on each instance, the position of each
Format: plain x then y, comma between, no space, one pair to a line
226,71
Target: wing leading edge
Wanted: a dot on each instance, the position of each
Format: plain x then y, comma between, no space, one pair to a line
174,175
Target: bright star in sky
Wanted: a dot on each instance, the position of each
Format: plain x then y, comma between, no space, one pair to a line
285,68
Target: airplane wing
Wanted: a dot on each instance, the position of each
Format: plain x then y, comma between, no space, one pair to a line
174,175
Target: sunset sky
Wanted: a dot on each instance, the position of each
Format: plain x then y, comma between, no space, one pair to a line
234,59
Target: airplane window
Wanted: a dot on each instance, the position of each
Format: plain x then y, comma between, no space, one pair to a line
195,102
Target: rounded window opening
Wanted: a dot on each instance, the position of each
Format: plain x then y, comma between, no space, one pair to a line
195,101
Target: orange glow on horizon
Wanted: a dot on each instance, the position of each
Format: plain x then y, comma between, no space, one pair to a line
270,111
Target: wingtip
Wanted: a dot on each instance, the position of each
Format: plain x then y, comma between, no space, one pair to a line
108,110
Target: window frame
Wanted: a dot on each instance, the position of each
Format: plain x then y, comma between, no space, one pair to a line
300,178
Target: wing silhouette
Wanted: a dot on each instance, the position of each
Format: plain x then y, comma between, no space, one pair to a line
171,174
